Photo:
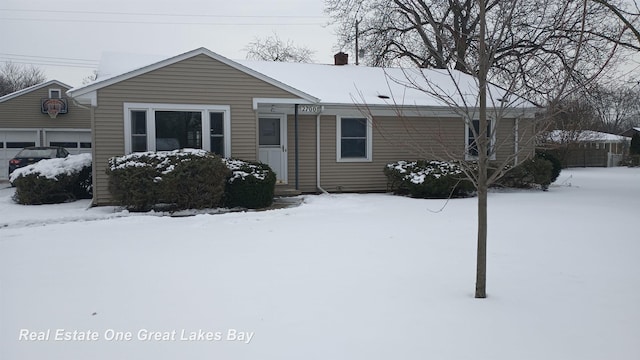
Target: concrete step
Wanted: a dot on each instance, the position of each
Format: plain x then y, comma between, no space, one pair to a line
284,191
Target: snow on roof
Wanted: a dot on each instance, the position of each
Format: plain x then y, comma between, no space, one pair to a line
33,88
349,84
585,136
331,84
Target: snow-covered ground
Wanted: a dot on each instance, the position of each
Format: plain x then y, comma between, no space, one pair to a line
340,277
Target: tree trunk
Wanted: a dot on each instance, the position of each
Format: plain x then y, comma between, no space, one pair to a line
482,140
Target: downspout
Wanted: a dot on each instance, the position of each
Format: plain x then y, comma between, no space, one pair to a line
297,153
516,144
318,156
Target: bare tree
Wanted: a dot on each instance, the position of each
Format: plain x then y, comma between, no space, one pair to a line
541,50
272,48
14,77
617,107
442,34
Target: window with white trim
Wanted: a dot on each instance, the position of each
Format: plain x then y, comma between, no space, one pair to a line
354,139
163,127
55,94
471,147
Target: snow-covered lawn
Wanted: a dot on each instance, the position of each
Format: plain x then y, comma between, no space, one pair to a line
340,277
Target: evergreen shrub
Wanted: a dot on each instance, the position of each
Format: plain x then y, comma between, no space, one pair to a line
556,164
175,180
533,172
428,179
251,184
53,181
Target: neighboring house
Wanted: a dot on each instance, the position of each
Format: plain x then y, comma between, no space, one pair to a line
586,148
42,115
631,132
320,127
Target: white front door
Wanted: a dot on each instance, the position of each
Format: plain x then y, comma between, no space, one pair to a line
272,144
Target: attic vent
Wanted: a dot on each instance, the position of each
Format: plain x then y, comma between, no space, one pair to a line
383,97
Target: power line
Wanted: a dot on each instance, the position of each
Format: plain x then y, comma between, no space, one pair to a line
5,55
70,65
165,14
160,23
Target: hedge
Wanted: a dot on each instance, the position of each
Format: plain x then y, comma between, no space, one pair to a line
188,179
428,179
173,180
53,181
251,184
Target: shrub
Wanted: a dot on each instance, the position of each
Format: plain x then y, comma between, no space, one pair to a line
251,184
530,173
428,179
179,179
54,181
556,164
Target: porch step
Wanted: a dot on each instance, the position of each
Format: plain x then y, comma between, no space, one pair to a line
285,191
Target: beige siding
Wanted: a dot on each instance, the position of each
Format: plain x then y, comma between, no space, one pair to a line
307,154
405,139
197,80
24,112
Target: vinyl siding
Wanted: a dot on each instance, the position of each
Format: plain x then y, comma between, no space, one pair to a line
24,112
307,154
406,139
197,80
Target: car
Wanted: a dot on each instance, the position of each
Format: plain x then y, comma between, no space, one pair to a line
33,154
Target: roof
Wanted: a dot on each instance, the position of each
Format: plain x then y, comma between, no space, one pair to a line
137,65
327,84
585,136
33,88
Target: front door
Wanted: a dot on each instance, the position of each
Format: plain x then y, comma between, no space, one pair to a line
272,144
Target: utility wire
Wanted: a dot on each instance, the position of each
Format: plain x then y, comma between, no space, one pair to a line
160,22
165,14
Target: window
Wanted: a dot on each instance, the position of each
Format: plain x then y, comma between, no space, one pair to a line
217,133
163,127
178,130
55,94
64,144
85,145
354,139
472,146
138,130
19,145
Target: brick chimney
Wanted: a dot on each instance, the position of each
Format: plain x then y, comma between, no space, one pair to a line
341,58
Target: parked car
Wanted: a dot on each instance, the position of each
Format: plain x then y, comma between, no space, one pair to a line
33,154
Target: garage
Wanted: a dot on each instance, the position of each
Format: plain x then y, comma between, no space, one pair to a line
75,141
11,142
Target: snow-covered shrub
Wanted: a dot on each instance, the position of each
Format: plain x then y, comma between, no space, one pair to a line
427,179
531,173
251,184
178,179
53,181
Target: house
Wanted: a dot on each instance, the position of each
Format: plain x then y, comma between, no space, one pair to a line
586,148
630,132
320,127
42,115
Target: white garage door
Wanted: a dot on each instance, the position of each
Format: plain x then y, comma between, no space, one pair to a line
76,142
11,142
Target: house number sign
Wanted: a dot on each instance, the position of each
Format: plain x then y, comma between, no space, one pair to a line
310,109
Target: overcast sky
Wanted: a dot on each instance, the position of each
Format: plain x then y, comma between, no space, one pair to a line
66,38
